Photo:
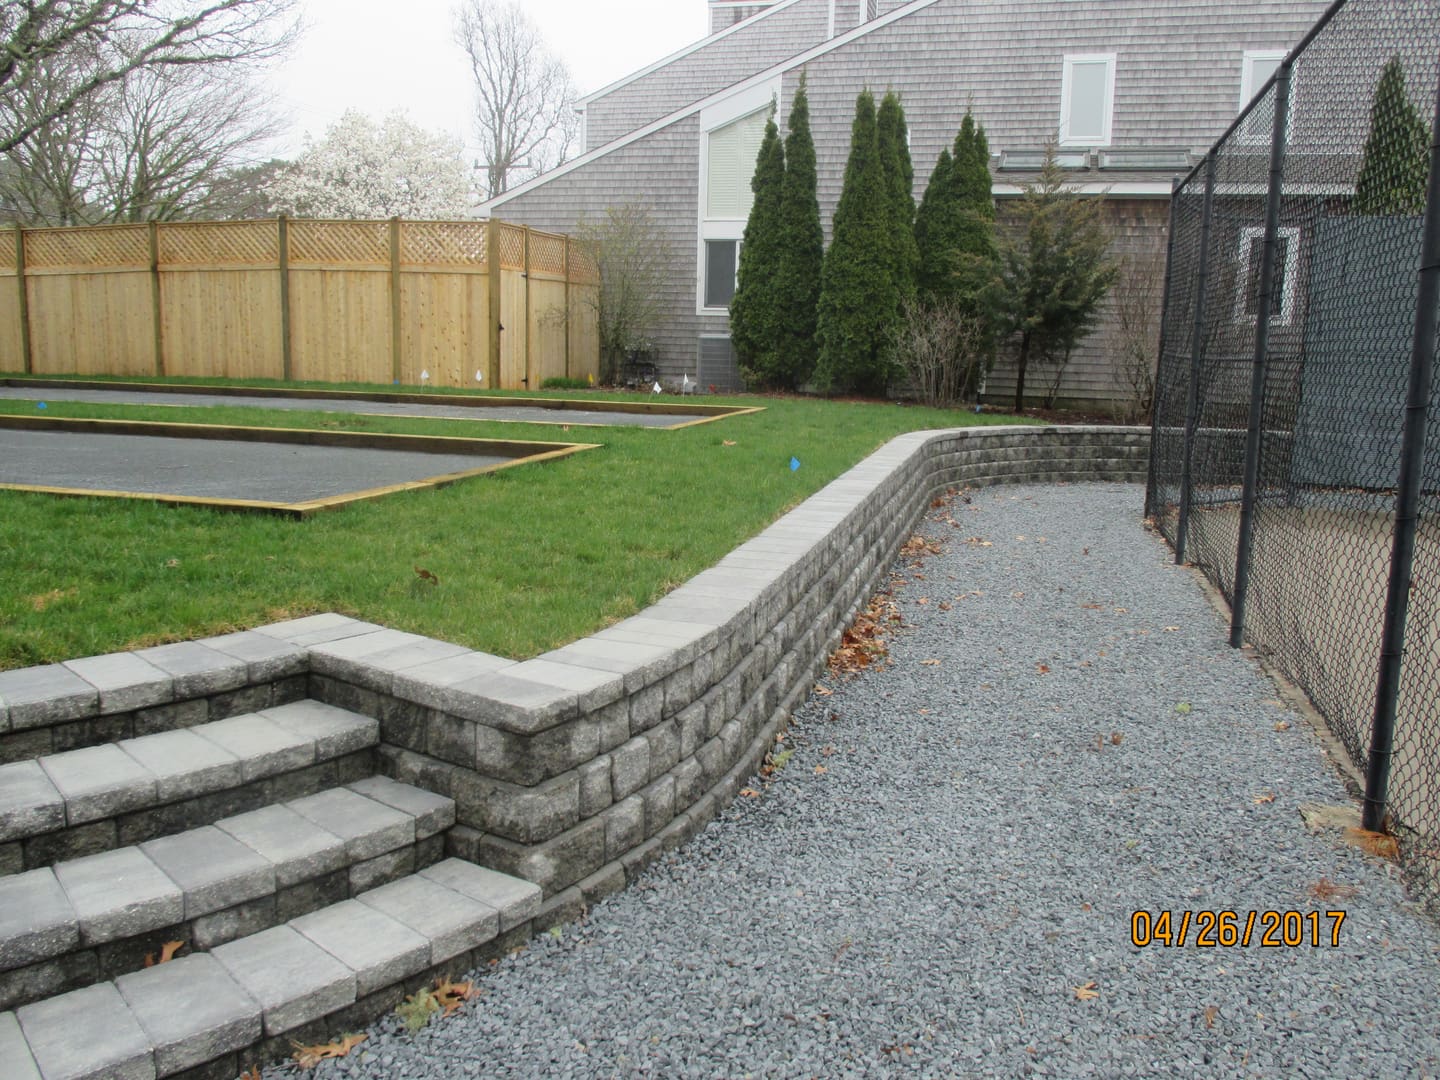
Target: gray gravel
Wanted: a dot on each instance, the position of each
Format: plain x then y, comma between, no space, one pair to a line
972,853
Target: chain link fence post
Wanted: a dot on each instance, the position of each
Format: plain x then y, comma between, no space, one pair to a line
1262,352
1407,504
1197,353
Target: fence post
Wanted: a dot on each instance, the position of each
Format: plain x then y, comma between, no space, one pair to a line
567,307
1197,356
1262,349
395,299
25,360
525,258
154,230
286,367
1407,501
492,259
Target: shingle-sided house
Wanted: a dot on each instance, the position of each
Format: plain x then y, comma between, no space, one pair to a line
1134,91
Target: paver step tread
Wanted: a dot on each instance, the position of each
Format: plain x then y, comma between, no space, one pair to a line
178,1015
94,899
97,782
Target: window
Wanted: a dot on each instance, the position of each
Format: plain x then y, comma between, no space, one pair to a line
1247,298
1255,72
722,259
1087,99
731,166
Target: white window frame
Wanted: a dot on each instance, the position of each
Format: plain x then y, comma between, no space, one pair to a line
1250,131
704,264
1285,314
718,115
1066,83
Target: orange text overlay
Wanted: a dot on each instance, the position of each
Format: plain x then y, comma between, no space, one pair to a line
1231,929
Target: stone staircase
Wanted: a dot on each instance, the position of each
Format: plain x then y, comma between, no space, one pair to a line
309,893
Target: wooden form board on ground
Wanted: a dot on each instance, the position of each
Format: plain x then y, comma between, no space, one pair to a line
523,452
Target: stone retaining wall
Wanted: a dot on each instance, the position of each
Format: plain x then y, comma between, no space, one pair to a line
577,768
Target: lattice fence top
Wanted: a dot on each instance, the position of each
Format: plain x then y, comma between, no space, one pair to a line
8,240
107,247
547,253
209,243
364,243
431,243
584,269
512,247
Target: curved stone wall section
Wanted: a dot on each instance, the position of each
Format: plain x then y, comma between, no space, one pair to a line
577,768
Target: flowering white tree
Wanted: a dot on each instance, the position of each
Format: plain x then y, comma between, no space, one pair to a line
364,170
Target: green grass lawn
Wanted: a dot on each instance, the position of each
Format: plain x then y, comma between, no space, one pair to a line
526,559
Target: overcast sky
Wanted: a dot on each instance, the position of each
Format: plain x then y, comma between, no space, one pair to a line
382,55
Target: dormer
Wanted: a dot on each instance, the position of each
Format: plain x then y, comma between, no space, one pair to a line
725,13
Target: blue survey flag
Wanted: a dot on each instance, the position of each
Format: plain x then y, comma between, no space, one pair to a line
794,464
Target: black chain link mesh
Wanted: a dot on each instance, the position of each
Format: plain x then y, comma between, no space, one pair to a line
1341,330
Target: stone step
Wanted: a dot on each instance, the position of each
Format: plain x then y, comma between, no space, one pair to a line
206,1011
96,917
82,802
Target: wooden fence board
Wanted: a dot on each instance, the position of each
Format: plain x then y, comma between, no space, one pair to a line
340,325
221,322
91,324
512,339
444,325
547,330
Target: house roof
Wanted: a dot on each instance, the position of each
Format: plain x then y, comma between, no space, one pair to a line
780,5
756,79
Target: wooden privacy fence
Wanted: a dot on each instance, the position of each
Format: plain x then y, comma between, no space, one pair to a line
329,301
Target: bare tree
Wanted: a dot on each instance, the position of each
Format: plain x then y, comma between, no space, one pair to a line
104,41
632,253
524,100
157,146
1135,331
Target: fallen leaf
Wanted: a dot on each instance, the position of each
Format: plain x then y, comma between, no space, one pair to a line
452,995
1376,843
1086,991
923,600
1084,907
821,770
415,1011
1261,800
750,793
1282,725
822,691
1211,1012
307,1057
944,605
1116,738
426,575
977,542
930,663
728,442
1092,607
1171,629
1325,889
1183,708
252,1073
1122,611
827,751
1042,669
167,953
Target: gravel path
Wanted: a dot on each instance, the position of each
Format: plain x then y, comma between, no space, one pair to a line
957,844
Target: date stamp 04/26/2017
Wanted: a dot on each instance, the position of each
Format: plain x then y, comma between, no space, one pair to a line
1206,929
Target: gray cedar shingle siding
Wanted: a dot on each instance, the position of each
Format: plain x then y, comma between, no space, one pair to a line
768,41
1177,85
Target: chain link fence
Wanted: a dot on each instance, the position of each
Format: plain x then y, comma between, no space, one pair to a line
1295,305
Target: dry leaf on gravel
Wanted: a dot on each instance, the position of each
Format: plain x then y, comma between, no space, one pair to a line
1376,843
1325,889
1087,991
1282,725
821,770
307,1057
750,793
1267,797
1211,1012
452,995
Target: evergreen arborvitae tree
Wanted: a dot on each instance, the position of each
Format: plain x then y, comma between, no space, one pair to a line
858,299
1053,274
955,227
754,310
802,252
1396,161
899,193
